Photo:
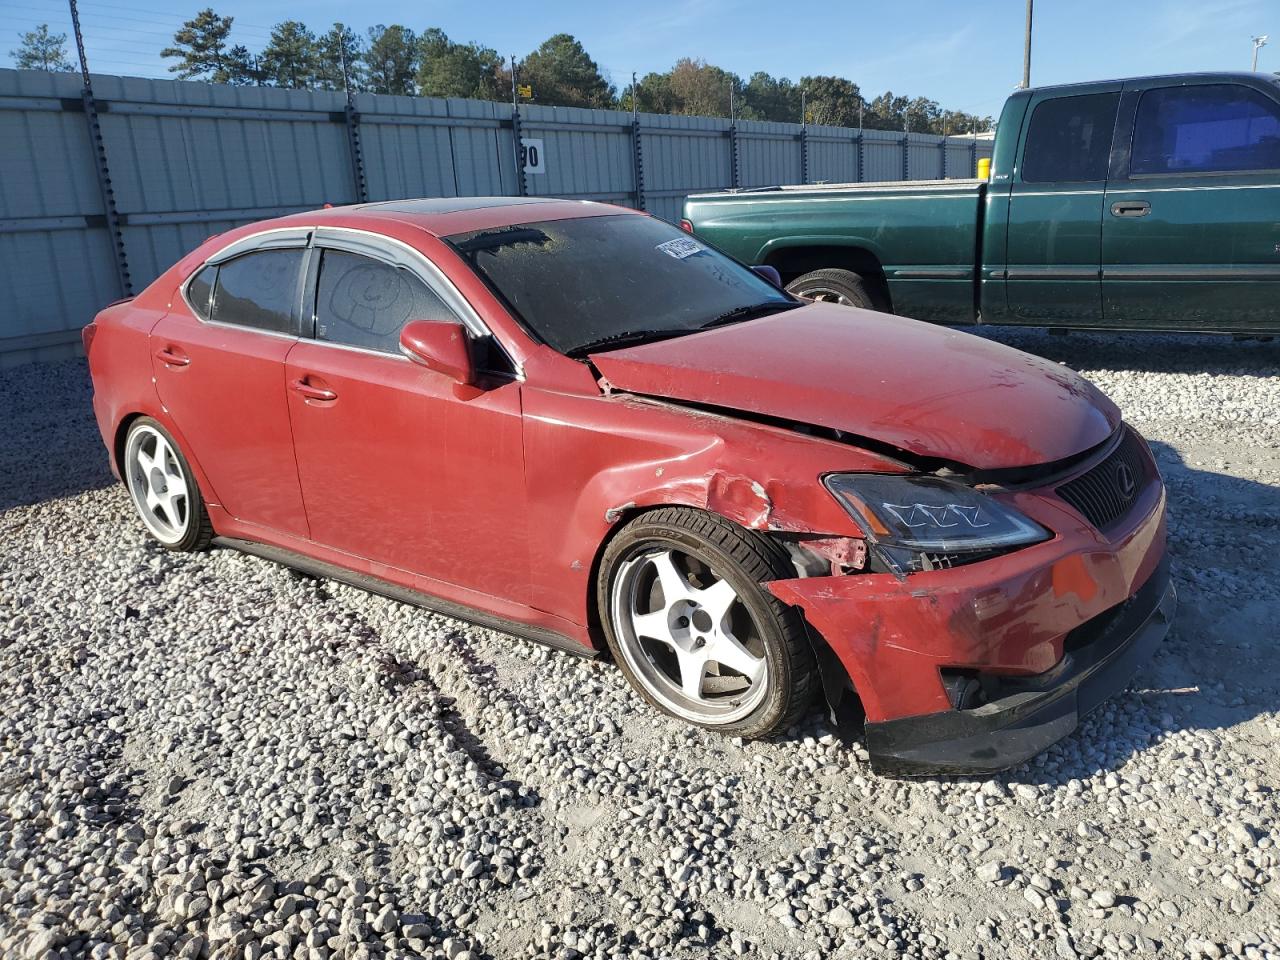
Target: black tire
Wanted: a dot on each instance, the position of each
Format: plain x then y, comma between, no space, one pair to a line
197,530
834,286
744,559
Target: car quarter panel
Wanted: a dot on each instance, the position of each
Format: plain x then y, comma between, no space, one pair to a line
1009,614
592,461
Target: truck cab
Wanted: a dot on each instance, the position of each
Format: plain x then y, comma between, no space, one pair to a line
1141,204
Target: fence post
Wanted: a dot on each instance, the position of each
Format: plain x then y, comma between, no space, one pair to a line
973,158
351,117
734,172
637,155
804,154
858,154
942,146
99,148
906,156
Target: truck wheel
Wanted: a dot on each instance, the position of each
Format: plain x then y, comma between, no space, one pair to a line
833,286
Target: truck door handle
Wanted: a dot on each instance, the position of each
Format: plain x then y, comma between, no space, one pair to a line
1130,208
172,356
312,392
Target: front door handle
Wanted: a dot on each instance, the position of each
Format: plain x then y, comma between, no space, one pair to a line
1130,208
172,356
312,392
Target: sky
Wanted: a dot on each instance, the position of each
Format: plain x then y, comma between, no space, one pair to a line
965,54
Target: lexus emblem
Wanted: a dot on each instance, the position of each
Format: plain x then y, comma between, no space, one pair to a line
1125,480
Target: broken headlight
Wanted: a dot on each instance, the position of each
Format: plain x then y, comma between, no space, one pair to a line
925,523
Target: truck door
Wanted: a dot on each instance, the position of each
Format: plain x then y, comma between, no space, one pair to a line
1055,207
1191,231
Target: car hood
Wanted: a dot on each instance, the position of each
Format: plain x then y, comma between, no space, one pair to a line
925,389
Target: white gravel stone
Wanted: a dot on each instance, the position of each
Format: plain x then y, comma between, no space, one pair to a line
210,756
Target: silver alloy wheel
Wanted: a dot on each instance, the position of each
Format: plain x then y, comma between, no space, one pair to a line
687,636
157,484
828,296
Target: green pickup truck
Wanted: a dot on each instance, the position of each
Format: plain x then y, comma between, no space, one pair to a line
1146,204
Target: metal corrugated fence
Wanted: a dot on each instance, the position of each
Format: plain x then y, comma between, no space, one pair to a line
190,159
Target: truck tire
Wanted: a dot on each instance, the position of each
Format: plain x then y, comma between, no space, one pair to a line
833,286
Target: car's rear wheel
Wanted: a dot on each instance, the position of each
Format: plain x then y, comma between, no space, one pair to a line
694,632
163,489
833,286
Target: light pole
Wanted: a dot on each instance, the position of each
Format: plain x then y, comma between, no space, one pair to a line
1258,44
1026,50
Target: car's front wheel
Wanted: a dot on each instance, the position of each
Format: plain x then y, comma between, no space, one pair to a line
693,630
163,488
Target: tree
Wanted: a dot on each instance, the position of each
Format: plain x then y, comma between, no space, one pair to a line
923,116
833,101
392,59
653,95
771,98
448,69
702,90
888,112
340,60
42,50
201,43
289,59
242,67
561,73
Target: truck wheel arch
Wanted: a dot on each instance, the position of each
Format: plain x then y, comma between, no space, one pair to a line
794,259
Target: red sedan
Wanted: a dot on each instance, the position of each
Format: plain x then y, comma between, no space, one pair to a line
577,424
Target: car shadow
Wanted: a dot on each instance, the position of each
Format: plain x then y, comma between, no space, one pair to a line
50,447
1143,352
1215,670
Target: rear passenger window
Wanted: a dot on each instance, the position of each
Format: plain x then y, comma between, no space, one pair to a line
200,289
362,302
1205,129
1069,139
258,290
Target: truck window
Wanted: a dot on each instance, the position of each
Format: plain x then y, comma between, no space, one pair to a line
1205,129
1069,139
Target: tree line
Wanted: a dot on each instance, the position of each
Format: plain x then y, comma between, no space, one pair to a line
395,59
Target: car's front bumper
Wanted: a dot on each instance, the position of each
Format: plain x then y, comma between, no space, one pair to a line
1030,714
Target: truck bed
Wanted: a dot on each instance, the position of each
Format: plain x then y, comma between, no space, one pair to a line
916,241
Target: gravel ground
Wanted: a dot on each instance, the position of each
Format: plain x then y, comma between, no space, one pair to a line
211,755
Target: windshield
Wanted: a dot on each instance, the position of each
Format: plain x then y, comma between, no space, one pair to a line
608,281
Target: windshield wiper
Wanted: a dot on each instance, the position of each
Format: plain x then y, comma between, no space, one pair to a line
738,314
622,338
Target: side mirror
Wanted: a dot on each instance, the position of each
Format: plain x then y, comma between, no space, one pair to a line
769,273
439,345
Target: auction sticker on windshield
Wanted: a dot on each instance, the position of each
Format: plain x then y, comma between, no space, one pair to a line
681,247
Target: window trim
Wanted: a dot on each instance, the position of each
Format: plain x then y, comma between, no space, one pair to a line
1133,134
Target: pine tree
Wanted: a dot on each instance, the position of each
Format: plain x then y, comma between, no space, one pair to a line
561,73
289,59
340,60
201,45
448,69
42,50
392,59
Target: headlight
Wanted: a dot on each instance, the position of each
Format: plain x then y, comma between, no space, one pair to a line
924,523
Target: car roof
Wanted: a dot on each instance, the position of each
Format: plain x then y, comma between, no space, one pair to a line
447,216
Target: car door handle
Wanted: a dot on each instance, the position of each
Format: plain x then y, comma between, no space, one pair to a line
312,392
172,356
1130,208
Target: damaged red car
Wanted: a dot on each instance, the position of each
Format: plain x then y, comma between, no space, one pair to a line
577,424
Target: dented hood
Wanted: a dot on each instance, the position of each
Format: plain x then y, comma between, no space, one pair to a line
922,388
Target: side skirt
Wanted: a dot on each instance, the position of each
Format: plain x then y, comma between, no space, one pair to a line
319,568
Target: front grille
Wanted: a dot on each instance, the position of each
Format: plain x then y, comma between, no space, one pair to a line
1106,493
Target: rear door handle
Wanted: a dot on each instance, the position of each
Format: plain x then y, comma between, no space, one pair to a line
312,392
172,356
1130,208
